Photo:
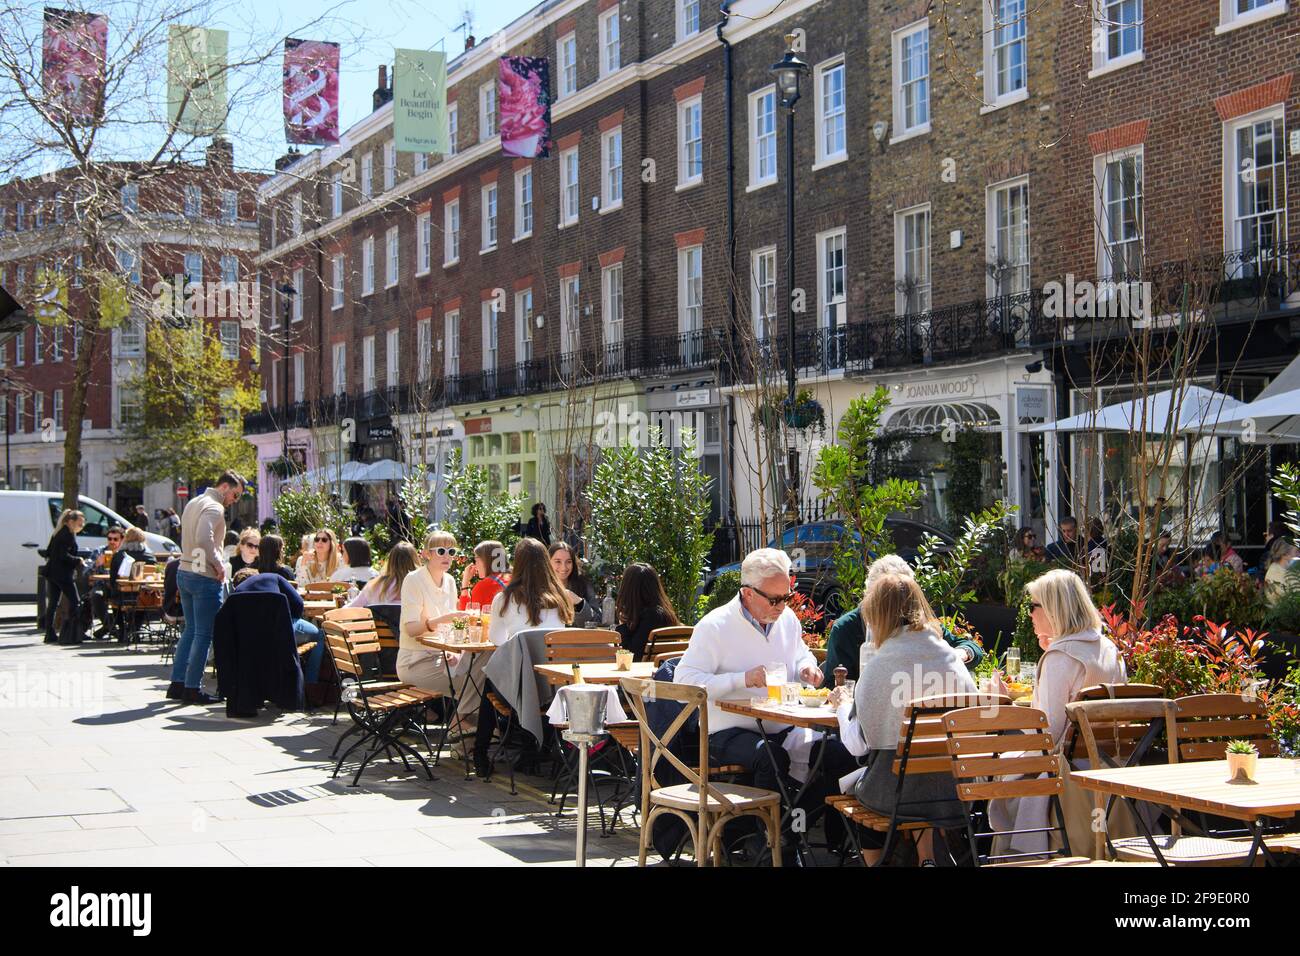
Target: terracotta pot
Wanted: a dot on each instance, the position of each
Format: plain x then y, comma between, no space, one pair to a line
1241,767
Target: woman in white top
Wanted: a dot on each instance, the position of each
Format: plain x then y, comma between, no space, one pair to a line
355,568
428,600
323,560
1075,655
533,598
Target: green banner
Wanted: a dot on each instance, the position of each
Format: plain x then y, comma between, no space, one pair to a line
196,79
420,101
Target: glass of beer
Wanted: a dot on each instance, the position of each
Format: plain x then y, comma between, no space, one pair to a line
775,679
1013,661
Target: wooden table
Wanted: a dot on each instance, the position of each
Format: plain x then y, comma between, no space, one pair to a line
315,611
816,718
595,672
1203,786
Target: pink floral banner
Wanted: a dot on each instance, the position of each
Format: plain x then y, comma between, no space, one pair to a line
73,63
311,92
524,95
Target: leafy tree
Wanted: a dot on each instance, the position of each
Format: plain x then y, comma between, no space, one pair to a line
945,577
965,476
302,510
651,505
476,514
192,406
842,475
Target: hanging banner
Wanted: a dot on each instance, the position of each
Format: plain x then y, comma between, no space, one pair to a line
73,61
524,102
420,101
196,79
311,92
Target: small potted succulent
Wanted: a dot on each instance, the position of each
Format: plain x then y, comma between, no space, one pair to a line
1243,757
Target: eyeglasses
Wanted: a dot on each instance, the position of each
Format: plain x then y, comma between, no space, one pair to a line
445,552
773,601
1035,606
322,540
250,544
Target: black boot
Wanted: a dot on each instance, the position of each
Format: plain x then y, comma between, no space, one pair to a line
176,690
195,696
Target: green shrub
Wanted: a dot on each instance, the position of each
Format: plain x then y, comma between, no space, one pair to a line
725,587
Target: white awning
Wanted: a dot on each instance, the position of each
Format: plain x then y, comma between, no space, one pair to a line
1173,410
934,418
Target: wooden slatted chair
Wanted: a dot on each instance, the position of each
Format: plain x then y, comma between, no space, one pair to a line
922,749
1118,739
1006,752
579,644
319,589
388,642
381,712
1201,726
666,640
358,621
703,805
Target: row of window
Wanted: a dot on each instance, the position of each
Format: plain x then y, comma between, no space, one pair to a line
191,208
31,417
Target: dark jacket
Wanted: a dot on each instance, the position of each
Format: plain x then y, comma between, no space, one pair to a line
63,562
844,644
634,638
274,584
136,552
284,571
171,593
257,657
542,532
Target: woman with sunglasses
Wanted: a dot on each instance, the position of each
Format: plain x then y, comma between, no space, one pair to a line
324,559
1025,547
245,556
428,600
1076,654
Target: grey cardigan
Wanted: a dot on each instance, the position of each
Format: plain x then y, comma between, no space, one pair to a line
910,664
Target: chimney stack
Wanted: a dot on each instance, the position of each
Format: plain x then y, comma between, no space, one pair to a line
288,159
469,41
220,155
384,91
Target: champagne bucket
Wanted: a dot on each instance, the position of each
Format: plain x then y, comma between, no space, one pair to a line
585,705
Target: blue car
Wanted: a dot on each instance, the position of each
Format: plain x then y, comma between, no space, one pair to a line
812,549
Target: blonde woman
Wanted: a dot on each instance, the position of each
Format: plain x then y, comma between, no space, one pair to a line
304,558
62,567
911,660
428,600
245,556
324,559
1075,655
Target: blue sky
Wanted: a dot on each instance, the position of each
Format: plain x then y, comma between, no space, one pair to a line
367,31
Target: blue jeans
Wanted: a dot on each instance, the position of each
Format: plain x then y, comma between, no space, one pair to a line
304,632
200,600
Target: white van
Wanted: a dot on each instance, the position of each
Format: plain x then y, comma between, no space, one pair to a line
26,522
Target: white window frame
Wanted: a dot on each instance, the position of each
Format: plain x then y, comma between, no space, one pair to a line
368,382
420,163
763,291
340,368
828,116
993,230
392,252
901,217
570,314
1102,28
336,195
488,212
453,128
129,194
451,233
611,46
424,348
1230,19
193,268
566,61
367,266
38,344
690,109
392,358
337,286
690,286
523,203
193,201
613,304
832,305
491,331
570,191
993,100
296,221
688,10
1235,175
759,141
423,243
229,205
487,111
901,128
299,284
299,378
58,406
1101,165
390,165
611,174
451,343
228,332
229,269
524,325
368,174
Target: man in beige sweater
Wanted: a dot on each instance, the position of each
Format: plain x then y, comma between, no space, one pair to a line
199,582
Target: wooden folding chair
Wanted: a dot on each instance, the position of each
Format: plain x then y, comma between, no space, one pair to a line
1201,726
1006,752
667,640
579,644
381,712
319,589
922,749
704,806
1071,739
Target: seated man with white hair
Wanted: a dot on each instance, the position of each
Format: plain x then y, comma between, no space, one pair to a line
847,635
728,651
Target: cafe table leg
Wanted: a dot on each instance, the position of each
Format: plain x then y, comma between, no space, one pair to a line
801,847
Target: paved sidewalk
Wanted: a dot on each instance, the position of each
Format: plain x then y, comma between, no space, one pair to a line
98,769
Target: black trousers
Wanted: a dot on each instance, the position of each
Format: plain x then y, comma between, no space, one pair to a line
72,633
487,722
762,759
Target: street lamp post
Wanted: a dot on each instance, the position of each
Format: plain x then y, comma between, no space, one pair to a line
288,292
788,73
